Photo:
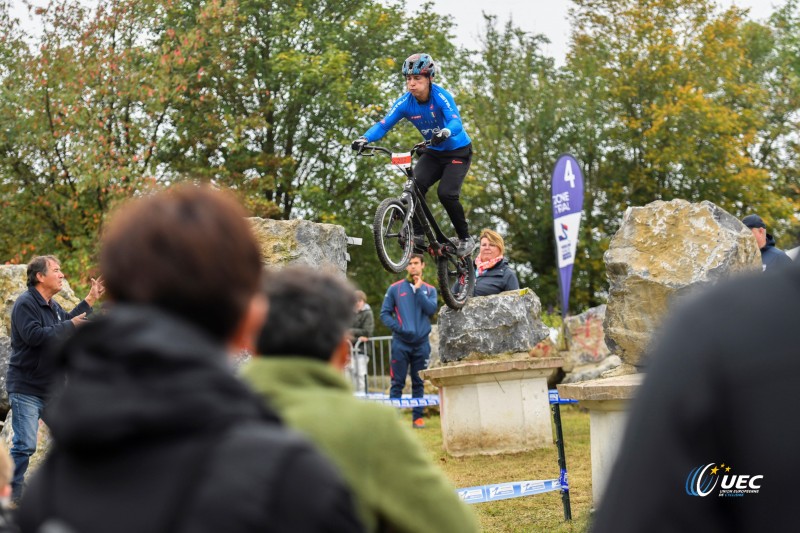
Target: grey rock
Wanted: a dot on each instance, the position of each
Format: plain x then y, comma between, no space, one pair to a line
662,251
592,370
434,360
585,339
501,324
285,242
5,355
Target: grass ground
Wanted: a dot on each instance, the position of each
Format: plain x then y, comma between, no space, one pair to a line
538,513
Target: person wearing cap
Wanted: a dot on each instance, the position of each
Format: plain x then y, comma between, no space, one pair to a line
771,256
433,111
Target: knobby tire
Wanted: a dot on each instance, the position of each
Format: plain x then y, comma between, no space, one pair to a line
458,272
393,239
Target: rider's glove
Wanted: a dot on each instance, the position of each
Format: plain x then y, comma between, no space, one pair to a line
440,137
359,143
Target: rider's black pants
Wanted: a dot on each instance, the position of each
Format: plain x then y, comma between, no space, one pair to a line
451,168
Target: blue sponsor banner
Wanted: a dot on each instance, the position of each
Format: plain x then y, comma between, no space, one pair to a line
556,399
504,491
406,402
567,197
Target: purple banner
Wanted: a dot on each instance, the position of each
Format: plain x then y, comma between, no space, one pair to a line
567,190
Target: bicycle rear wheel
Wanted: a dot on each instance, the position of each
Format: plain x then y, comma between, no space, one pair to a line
456,279
393,238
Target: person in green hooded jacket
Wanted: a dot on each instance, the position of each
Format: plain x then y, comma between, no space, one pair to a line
302,350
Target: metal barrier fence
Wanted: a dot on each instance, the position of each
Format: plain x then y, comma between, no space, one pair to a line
370,364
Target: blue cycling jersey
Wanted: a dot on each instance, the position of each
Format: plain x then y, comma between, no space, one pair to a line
438,112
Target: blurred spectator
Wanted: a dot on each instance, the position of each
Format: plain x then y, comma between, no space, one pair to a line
152,431
302,350
711,445
771,256
363,322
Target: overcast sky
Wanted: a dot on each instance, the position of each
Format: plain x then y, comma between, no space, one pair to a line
544,16
536,16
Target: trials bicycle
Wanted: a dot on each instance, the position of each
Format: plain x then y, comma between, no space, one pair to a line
393,229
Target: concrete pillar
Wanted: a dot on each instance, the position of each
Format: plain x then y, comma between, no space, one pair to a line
495,407
608,401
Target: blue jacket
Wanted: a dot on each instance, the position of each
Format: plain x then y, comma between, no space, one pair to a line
408,314
497,279
33,324
439,112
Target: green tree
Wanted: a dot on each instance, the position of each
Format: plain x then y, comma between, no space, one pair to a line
665,104
512,102
81,119
773,50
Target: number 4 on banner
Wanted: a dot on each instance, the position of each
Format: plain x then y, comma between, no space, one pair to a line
568,175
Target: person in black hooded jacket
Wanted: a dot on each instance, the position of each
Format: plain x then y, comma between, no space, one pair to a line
152,431
709,445
771,256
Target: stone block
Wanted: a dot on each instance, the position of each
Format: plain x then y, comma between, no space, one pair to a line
661,251
491,326
493,407
285,242
608,401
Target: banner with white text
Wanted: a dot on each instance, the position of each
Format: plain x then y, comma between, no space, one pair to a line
567,190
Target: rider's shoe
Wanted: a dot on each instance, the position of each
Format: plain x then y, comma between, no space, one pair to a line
464,247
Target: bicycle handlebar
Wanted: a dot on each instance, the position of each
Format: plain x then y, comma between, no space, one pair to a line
372,149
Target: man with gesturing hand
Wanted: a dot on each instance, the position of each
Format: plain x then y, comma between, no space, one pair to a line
36,319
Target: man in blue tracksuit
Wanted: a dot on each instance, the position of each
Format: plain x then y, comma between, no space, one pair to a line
407,310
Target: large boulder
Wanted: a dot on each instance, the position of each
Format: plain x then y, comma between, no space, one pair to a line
492,326
285,242
661,251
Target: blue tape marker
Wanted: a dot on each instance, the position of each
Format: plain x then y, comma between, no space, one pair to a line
405,402
555,398
505,491
562,480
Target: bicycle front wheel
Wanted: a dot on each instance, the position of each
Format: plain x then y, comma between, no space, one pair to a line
456,279
393,238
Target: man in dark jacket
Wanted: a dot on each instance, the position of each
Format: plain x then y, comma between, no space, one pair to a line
152,430
37,319
771,256
710,446
407,309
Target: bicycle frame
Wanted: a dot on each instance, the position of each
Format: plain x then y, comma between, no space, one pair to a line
418,207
